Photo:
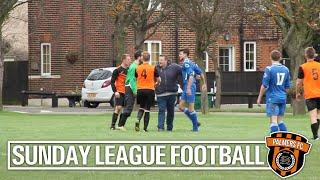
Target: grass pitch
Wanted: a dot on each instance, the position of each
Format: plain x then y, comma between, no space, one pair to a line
228,126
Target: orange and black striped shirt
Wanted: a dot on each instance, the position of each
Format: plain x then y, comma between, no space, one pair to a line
118,79
146,75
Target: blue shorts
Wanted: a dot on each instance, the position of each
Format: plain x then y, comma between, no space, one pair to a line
187,98
275,109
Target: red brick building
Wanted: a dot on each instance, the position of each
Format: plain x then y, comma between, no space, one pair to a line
58,27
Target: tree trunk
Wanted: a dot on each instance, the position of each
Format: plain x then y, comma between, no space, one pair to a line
139,39
1,69
298,107
204,99
218,85
295,50
119,43
200,49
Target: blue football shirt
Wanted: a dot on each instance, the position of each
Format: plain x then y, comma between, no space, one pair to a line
276,80
187,70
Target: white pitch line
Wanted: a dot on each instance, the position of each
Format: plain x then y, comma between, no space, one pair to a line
45,111
21,112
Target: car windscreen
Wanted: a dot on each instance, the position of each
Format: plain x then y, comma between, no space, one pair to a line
99,75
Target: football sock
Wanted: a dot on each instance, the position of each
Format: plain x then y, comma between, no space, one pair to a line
314,129
140,114
273,127
146,120
123,119
194,120
187,112
282,126
114,119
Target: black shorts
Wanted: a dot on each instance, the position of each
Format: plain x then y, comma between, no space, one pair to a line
119,101
145,97
313,103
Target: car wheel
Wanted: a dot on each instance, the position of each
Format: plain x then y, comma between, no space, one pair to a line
85,104
93,104
112,101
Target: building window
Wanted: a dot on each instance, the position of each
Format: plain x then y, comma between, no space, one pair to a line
45,59
154,4
226,62
250,56
154,48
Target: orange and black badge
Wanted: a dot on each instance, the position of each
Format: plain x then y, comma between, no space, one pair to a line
287,153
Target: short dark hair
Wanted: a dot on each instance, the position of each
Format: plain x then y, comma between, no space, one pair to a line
310,52
275,55
124,56
146,56
185,51
137,54
165,57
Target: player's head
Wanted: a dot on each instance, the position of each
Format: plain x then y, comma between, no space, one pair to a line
145,56
275,55
183,54
163,61
126,59
309,53
138,55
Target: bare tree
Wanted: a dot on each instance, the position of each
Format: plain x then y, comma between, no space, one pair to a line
6,6
207,19
299,22
142,16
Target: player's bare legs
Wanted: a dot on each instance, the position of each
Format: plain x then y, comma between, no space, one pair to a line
318,116
274,124
314,123
191,107
313,116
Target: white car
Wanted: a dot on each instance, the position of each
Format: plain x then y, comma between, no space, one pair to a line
97,88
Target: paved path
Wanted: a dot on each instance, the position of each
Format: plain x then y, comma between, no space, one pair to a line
99,110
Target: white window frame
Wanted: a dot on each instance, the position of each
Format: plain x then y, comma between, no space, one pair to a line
42,47
151,2
254,55
232,65
206,60
149,42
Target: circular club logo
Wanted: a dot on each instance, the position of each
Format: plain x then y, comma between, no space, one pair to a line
285,160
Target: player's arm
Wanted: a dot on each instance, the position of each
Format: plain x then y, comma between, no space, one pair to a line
199,74
287,84
264,86
114,77
261,93
299,83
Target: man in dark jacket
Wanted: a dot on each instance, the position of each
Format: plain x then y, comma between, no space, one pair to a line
167,91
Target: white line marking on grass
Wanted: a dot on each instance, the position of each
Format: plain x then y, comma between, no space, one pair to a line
45,111
21,112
